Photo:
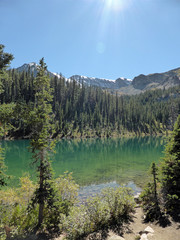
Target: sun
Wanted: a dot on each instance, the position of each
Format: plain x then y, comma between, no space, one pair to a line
109,15
115,5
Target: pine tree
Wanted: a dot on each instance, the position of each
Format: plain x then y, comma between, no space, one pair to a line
149,197
171,172
5,59
41,118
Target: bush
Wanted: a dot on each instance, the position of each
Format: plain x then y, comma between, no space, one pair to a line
111,207
67,188
21,218
13,208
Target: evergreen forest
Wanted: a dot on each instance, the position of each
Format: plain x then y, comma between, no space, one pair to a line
81,111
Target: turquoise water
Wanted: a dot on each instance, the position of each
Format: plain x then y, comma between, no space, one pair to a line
96,161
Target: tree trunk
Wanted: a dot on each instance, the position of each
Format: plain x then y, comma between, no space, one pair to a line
41,188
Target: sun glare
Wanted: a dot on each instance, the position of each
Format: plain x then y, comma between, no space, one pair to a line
111,10
109,15
115,5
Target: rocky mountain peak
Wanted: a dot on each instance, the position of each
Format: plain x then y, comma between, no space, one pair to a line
139,84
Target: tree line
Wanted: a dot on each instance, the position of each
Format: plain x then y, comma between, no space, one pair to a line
90,111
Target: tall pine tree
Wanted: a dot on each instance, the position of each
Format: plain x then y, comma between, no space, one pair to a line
5,59
41,118
171,172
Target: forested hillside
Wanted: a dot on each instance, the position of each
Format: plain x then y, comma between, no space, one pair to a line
88,111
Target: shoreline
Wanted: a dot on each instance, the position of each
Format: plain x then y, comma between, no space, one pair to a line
92,134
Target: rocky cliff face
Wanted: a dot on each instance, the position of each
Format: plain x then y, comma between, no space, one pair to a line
157,80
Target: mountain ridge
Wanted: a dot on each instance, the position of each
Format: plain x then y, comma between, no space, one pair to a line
139,84
102,82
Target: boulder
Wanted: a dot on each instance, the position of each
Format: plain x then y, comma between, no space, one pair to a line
148,230
136,198
144,237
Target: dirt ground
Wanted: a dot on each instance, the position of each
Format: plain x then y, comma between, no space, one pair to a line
170,232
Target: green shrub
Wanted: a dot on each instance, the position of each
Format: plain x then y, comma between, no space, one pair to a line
13,208
17,213
112,206
67,188
137,238
120,202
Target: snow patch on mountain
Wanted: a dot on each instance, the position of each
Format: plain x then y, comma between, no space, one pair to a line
102,82
33,68
87,81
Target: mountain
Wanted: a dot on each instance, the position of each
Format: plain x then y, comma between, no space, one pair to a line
153,81
121,85
87,81
157,80
33,68
101,82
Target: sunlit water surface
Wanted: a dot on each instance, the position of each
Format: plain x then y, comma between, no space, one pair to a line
95,163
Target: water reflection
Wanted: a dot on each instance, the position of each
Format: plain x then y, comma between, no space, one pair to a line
98,161
92,161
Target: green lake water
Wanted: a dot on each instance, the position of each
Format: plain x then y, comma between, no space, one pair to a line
94,161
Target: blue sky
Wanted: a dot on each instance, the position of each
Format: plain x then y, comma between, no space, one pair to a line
96,38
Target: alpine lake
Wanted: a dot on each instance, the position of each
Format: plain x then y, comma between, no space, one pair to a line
95,163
